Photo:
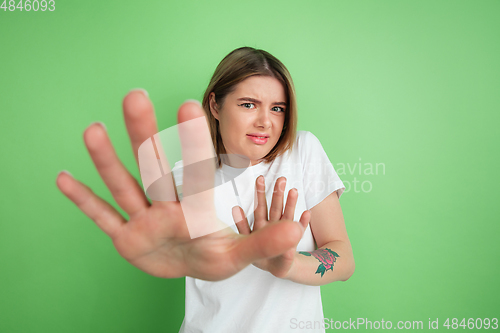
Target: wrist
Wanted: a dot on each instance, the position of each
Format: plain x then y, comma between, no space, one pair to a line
293,267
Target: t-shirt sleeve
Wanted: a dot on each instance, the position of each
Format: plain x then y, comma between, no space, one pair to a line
319,175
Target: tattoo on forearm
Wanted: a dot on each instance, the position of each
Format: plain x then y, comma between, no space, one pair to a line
327,258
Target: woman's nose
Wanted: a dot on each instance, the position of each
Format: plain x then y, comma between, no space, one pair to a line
263,119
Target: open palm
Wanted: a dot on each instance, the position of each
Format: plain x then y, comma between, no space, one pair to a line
279,265
156,238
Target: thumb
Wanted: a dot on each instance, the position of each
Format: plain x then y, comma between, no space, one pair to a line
305,219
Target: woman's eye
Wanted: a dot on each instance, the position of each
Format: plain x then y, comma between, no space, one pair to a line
280,109
245,105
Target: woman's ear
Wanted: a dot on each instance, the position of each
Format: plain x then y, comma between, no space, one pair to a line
213,105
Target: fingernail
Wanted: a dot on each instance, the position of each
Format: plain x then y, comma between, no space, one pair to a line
102,124
66,172
193,100
141,90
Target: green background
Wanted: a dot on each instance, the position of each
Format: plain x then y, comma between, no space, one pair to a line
410,84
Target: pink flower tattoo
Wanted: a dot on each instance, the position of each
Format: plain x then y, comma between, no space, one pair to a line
327,258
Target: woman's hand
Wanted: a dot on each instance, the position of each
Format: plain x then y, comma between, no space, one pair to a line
280,265
156,238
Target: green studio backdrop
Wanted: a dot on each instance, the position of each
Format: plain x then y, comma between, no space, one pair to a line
403,96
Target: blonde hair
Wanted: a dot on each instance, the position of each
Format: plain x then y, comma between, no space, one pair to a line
237,66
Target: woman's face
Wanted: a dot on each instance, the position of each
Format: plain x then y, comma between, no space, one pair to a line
252,117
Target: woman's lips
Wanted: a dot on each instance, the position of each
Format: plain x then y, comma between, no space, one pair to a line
258,140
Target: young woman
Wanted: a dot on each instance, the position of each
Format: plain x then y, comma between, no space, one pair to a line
263,273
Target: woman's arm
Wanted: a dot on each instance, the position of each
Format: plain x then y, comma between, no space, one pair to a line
333,260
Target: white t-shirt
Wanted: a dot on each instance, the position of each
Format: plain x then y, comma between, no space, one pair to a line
254,300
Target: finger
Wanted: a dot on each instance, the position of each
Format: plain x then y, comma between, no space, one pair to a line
240,220
276,209
260,214
141,125
101,212
291,201
198,156
156,175
271,241
140,119
124,188
305,218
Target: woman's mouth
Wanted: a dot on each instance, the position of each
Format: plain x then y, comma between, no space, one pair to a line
260,140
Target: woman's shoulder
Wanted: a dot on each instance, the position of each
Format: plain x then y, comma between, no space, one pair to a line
305,139
305,144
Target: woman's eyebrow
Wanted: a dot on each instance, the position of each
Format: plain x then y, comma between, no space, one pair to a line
257,101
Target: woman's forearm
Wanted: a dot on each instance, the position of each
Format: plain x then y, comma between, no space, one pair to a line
334,261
